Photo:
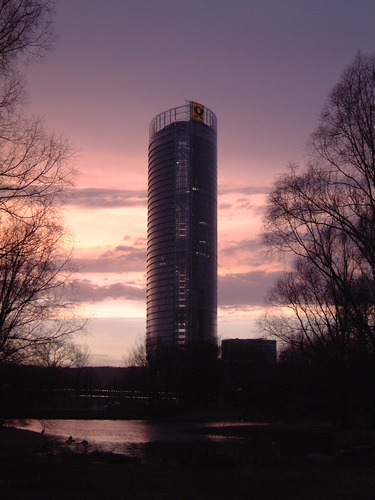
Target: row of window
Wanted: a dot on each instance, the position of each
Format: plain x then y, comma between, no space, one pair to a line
163,297
160,250
160,170
164,287
157,334
160,267
159,139
159,308
162,191
164,225
160,229
164,322
159,178
167,221
161,188
157,280
160,148
160,245
160,207
163,211
155,216
157,316
164,316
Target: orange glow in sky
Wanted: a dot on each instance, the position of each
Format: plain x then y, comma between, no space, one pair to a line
264,68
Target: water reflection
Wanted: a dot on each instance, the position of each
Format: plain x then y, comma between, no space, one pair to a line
119,431
130,437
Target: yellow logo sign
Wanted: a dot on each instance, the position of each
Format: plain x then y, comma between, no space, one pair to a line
198,112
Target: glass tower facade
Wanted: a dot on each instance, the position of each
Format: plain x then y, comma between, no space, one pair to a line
182,229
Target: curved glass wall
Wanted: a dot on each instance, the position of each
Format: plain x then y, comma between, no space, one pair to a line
182,228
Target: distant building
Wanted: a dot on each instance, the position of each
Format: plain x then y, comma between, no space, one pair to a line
249,351
182,229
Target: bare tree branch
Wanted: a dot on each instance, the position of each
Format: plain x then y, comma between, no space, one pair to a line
36,305
324,216
25,26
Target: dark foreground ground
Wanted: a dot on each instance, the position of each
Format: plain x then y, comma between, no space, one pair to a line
263,463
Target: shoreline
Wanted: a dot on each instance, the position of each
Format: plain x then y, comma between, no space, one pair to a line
181,471
23,441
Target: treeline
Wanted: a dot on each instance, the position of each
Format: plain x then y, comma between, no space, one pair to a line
292,390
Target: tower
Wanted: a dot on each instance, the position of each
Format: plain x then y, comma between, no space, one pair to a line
182,229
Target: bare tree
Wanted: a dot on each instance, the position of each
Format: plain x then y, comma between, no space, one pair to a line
34,169
324,215
25,29
137,354
61,354
36,306
34,280
34,165
315,308
25,26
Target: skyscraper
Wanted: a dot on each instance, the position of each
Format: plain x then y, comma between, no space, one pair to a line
182,229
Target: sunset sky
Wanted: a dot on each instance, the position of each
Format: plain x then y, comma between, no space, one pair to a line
264,67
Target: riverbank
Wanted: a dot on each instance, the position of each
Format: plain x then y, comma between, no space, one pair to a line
21,442
260,469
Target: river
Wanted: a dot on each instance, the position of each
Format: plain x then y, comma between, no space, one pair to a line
128,437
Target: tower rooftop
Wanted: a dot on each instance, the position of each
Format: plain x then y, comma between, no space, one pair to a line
190,110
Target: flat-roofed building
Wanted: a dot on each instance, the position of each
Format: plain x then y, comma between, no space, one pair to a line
249,351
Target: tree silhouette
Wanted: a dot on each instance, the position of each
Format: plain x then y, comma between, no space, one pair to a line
322,219
35,171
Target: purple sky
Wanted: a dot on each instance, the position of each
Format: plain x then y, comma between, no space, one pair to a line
264,67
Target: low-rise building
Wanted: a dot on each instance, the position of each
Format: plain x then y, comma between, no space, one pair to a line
249,351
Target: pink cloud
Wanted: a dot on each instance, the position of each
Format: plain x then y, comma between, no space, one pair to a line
88,291
241,290
106,198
